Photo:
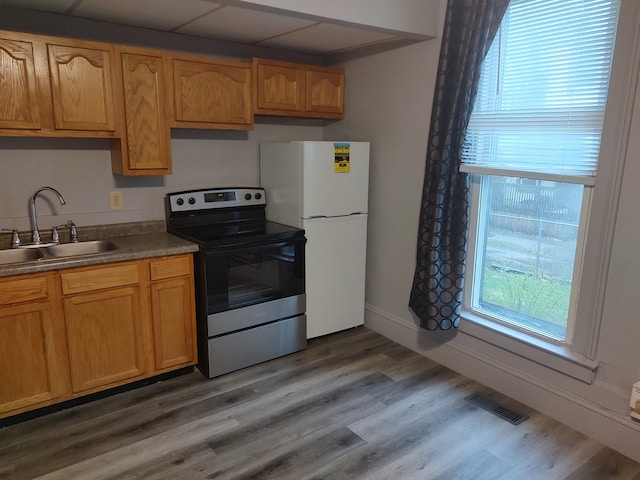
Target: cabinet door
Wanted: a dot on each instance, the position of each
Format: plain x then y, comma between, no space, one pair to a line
172,307
297,90
211,94
27,356
19,102
32,368
104,337
173,311
279,87
147,131
82,88
325,92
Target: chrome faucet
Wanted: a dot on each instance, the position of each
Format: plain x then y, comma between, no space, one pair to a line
35,233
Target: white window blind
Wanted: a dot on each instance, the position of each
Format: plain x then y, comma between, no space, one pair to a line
542,93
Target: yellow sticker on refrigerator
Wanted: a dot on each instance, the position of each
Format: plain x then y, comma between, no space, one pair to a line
341,161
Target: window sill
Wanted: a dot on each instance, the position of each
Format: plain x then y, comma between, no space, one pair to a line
557,357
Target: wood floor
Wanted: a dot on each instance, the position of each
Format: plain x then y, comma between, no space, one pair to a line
352,406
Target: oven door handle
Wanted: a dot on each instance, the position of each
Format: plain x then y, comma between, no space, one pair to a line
256,246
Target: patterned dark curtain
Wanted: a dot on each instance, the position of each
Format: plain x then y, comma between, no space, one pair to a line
436,294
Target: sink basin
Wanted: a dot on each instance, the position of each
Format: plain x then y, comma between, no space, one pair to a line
17,255
81,248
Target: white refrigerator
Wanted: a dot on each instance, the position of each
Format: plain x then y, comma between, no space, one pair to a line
323,188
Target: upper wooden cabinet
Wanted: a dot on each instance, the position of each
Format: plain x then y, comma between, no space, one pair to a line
145,147
325,92
211,93
279,87
60,87
57,87
20,102
82,87
291,89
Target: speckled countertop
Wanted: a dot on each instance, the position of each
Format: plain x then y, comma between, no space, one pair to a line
135,240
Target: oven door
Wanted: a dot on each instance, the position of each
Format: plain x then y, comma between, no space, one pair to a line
253,274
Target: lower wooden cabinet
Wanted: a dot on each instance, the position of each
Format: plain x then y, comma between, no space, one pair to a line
33,370
104,323
172,297
77,331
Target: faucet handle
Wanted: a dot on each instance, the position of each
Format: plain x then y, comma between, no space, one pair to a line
15,238
73,231
55,236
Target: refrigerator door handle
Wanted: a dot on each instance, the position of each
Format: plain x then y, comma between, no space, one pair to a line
354,214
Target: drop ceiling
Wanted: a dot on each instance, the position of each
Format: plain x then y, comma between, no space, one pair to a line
229,21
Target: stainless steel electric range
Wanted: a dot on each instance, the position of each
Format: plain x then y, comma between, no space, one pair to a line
250,300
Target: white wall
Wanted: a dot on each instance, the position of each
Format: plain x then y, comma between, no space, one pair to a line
81,171
389,102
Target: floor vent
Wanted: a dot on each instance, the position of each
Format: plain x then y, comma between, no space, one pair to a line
494,407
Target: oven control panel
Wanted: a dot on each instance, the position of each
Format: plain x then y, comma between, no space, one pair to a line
208,198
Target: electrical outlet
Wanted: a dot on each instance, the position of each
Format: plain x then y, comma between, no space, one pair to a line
115,200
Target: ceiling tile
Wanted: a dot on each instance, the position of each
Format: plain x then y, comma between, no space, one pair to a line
325,37
216,19
242,25
58,6
158,14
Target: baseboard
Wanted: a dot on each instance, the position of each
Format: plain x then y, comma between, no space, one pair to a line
609,428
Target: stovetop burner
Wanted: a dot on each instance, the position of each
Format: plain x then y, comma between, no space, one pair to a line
217,235
223,217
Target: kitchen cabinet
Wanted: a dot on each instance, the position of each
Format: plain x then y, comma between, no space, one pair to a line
76,331
33,368
20,102
291,89
57,87
172,311
211,93
104,322
146,142
82,86
325,92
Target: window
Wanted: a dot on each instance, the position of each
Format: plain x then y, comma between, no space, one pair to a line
532,144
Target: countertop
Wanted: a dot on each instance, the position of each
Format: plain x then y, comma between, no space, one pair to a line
135,241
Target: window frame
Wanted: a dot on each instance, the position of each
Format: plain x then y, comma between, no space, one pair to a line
477,244
576,357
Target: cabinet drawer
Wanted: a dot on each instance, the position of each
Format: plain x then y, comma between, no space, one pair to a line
23,290
99,278
170,267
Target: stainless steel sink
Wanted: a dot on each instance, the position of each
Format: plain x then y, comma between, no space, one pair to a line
81,248
18,255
